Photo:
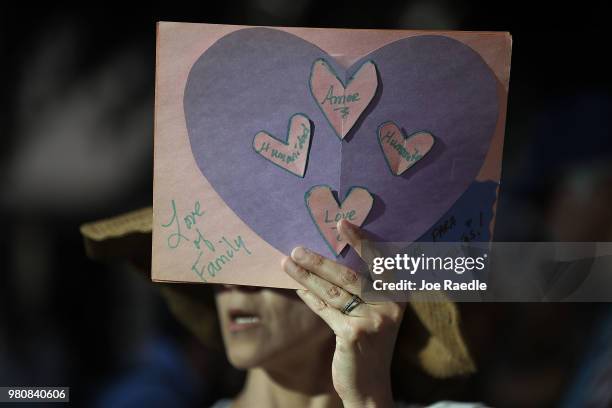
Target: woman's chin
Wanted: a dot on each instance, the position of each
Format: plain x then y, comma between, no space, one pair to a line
244,360
265,354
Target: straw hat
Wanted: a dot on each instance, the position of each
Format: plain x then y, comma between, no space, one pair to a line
128,237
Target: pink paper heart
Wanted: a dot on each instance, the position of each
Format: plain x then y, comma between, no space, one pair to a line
343,105
291,155
325,211
402,152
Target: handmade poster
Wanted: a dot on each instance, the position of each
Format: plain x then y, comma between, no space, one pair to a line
266,137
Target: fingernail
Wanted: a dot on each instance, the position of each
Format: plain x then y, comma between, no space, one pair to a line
299,254
289,266
348,228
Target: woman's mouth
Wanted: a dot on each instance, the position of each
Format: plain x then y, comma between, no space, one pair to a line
241,320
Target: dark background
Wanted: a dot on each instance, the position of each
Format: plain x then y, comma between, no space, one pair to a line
77,115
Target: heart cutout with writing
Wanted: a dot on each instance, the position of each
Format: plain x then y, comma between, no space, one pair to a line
326,211
291,155
403,151
343,105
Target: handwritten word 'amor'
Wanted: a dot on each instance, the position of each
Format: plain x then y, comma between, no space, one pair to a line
340,100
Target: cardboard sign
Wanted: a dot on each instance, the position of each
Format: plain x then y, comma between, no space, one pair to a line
264,136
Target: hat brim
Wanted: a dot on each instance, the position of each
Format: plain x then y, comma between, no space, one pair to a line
445,354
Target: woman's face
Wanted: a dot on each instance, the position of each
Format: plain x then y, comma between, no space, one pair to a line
265,327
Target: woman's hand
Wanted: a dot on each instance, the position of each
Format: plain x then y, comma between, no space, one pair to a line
365,335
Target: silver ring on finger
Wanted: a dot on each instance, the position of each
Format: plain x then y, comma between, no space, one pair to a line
351,304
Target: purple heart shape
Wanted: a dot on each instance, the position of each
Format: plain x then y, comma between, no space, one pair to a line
256,78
